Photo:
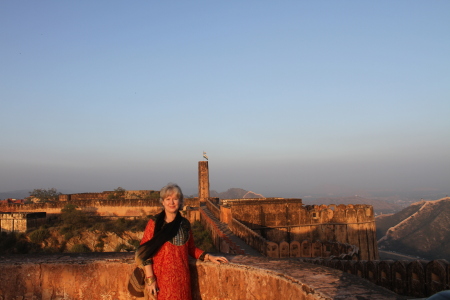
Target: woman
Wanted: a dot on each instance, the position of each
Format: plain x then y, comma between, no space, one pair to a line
164,250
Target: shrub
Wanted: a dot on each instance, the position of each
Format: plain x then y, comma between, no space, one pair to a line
39,235
121,247
202,237
80,248
7,242
134,243
75,218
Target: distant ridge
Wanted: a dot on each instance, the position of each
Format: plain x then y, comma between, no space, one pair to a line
235,193
421,229
379,206
20,194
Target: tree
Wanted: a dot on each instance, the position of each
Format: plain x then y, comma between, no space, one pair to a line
45,195
119,193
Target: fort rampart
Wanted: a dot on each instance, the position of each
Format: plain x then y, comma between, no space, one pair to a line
286,221
106,195
103,276
120,208
413,278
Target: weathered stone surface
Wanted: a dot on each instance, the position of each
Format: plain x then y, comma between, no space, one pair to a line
21,221
104,276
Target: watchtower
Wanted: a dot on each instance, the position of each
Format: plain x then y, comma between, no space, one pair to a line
203,181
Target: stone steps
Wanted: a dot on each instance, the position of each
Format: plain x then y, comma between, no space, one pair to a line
229,235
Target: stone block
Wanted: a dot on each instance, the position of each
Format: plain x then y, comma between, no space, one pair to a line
284,250
372,271
306,248
272,250
436,276
399,277
385,274
295,249
416,278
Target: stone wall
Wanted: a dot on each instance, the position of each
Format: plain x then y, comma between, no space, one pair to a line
221,241
269,212
250,237
213,208
103,276
287,221
137,194
120,208
415,279
20,222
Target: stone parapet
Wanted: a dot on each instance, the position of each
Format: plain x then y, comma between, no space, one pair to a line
213,208
249,236
412,278
120,208
99,276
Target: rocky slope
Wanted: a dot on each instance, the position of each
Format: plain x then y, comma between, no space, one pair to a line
421,229
95,240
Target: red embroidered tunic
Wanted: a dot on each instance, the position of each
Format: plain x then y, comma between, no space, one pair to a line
171,264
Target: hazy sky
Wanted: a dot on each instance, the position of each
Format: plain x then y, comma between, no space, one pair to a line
286,97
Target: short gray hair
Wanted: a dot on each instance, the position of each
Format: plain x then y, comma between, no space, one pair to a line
170,189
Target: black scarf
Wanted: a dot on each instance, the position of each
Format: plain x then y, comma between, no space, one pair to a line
160,236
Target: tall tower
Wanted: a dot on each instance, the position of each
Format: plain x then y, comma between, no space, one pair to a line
203,181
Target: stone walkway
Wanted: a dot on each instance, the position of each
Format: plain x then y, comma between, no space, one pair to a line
223,227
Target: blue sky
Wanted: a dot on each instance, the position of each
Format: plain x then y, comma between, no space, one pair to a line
287,98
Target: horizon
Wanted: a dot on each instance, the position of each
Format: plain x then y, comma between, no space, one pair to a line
410,196
286,99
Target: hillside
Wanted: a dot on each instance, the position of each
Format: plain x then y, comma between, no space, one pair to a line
235,193
421,229
379,206
21,194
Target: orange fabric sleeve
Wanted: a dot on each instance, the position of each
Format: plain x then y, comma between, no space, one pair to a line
148,232
193,251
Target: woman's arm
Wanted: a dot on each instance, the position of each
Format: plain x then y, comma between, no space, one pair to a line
150,280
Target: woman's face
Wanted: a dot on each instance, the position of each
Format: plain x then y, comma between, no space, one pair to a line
171,203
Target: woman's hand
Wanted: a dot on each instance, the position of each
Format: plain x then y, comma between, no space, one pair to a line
217,259
152,288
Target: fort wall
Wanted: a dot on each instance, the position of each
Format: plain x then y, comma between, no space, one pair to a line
416,279
128,195
287,220
120,208
99,276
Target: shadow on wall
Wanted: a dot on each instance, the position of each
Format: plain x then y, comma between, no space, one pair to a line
283,241
416,279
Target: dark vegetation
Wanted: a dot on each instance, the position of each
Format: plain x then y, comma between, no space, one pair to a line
73,222
45,195
202,237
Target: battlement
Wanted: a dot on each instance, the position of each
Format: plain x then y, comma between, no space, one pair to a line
287,228
418,278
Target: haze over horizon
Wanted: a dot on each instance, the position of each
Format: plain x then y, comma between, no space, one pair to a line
287,98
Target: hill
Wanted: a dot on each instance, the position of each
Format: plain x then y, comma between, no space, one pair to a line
379,206
422,229
235,193
21,194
